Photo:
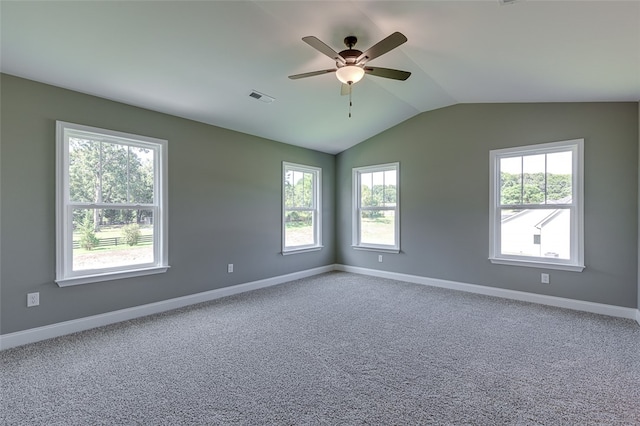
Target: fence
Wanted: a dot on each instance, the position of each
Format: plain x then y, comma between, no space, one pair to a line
116,241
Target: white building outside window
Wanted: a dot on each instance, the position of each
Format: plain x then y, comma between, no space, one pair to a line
536,206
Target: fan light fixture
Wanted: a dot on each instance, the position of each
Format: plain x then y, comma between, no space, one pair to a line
350,74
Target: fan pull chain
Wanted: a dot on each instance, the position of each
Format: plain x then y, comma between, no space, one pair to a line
350,103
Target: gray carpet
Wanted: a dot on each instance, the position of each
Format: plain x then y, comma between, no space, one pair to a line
335,349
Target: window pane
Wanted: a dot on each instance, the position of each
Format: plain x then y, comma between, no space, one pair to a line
298,189
107,238
141,175
84,168
307,190
539,233
378,189
559,177
389,198
289,200
298,229
533,179
511,181
377,227
366,185
114,173
104,172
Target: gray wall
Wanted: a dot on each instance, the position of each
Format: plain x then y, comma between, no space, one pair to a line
444,172
224,206
224,201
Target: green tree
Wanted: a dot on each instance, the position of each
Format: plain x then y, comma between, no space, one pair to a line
378,196
131,234
558,187
298,192
530,188
103,172
88,239
384,195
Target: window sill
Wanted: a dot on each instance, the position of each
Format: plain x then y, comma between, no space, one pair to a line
380,249
301,250
110,276
542,265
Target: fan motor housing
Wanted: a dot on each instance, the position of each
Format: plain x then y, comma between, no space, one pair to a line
350,55
350,41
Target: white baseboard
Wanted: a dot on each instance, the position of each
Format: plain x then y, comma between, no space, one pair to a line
578,305
32,335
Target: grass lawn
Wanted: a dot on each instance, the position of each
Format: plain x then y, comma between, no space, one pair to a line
379,230
298,234
111,255
115,231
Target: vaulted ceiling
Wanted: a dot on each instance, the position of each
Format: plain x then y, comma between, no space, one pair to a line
201,60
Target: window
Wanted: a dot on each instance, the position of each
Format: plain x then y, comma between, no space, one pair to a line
301,208
376,208
536,206
111,205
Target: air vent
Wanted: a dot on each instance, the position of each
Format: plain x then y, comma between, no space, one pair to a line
503,2
261,97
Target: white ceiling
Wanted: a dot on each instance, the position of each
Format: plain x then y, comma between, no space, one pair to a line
200,60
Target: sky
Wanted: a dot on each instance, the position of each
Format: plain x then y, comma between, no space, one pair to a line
556,163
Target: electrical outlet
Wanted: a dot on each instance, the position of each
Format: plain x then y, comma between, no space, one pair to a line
33,299
544,278
380,258
230,268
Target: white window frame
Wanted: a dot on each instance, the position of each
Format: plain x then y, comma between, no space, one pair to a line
315,209
575,207
357,209
65,276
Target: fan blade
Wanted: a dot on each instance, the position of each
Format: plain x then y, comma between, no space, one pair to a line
345,89
387,73
323,48
383,46
311,74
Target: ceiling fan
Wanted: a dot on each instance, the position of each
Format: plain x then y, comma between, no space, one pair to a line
351,64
